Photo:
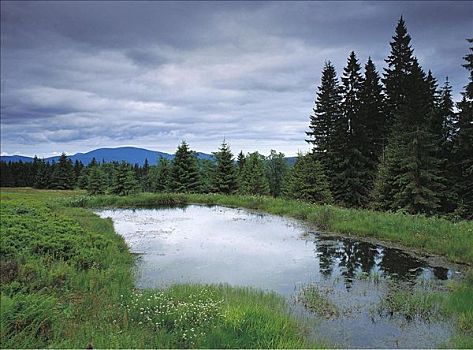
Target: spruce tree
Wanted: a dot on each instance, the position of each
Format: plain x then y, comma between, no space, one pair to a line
96,181
469,66
448,117
78,166
185,172
6,174
326,111
442,126
372,114
63,174
225,180
463,145
253,179
207,170
412,172
463,157
351,178
124,182
240,162
276,171
43,175
400,62
83,180
307,181
160,176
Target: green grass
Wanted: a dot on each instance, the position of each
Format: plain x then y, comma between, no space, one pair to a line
66,282
411,304
317,301
454,240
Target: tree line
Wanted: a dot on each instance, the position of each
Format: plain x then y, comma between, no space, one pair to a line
391,142
252,174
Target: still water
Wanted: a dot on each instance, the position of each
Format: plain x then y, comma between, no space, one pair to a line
213,244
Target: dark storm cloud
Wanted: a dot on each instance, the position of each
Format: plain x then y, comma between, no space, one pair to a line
79,75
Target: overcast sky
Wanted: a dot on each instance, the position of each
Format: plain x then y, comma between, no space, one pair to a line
76,76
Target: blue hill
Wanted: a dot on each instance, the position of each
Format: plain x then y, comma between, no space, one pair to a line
131,155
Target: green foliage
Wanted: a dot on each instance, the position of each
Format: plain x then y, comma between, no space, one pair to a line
276,171
307,181
326,111
463,158
207,176
463,146
160,176
317,301
348,164
62,177
253,176
96,181
400,62
225,179
240,162
185,172
372,116
43,176
83,179
124,182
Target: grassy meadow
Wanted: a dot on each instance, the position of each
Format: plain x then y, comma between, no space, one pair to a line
66,277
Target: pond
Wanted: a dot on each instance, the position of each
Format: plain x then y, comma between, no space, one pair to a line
214,244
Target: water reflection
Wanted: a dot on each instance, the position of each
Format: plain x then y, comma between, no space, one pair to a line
349,258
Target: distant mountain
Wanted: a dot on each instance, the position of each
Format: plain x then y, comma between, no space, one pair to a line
16,159
132,155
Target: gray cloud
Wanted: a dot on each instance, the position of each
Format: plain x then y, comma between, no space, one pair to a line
81,75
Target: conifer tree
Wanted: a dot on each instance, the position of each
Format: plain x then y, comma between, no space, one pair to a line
207,170
43,175
185,172
276,171
78,166
448,117
144,176
7,176
412,174
326,111
463,145
240,162
307,181
253,179
96,181
124,182
63,174
83,180
372,117
160,176
350,168
225,180
400,62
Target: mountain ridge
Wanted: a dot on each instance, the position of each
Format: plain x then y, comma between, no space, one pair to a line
132,155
